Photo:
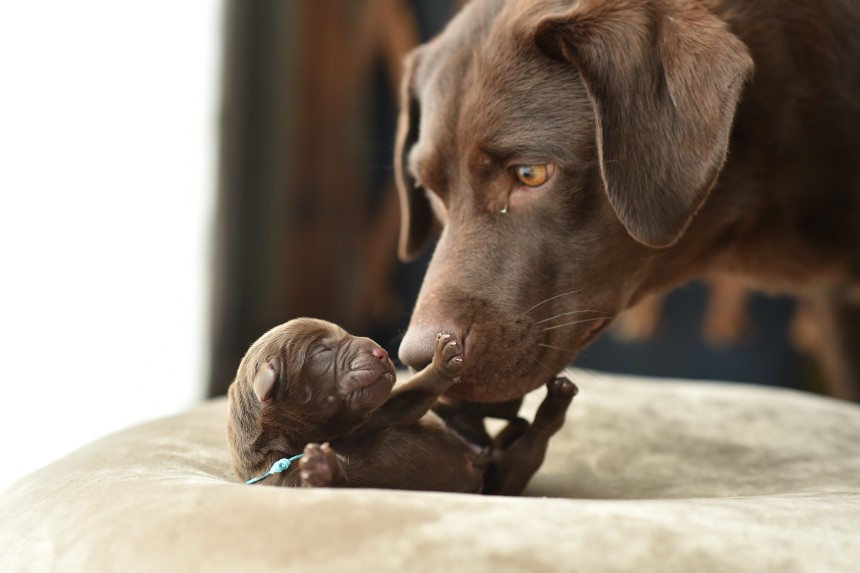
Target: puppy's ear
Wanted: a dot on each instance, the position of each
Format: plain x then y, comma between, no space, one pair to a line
417,223
664,78
266,380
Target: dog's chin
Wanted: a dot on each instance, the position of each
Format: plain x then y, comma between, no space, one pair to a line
497,382
480,391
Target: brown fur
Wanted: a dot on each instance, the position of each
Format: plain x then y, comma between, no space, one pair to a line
691,138
309,386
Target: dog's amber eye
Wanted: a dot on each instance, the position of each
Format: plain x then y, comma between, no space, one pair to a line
533,175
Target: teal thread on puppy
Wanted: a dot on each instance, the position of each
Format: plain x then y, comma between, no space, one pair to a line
279,466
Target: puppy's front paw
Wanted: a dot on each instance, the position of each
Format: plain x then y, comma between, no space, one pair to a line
317,466
448,355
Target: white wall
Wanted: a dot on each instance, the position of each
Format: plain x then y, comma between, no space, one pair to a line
108,122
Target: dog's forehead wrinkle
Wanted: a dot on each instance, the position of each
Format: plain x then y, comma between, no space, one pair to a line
484,88
524,104
444,77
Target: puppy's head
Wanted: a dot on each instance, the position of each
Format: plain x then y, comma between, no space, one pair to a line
304,381
559,150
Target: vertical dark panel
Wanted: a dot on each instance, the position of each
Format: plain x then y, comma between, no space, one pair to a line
307,214
249,239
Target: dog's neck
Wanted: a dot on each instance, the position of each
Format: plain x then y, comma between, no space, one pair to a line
782,192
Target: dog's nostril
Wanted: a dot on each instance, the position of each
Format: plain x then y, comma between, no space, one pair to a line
379,353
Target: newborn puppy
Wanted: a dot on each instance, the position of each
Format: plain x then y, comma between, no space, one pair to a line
308,386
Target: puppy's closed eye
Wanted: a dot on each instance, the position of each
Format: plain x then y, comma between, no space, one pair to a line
321,352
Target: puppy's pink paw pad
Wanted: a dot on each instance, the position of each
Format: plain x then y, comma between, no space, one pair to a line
316,467
448,353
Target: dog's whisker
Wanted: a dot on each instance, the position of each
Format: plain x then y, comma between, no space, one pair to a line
551,298
552,371
581,353
572,373
599,364
556,347
565,314
576,322
573,370
548,369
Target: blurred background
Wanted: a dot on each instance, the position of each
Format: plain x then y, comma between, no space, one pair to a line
109,116
177,178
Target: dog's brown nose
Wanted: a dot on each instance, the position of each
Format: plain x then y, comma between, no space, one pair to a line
416,349
380,353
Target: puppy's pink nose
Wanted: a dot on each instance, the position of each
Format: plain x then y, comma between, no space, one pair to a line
380,353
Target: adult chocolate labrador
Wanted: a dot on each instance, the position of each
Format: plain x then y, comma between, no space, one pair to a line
578,155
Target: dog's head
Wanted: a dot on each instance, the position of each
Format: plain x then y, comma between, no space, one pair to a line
306,380
557,148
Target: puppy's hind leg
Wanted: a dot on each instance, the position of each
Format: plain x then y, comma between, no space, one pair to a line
513,467
551,413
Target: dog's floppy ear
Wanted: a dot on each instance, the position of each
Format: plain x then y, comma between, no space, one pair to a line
417,222
266,380
664,78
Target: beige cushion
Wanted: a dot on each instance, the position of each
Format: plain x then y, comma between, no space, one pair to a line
647,475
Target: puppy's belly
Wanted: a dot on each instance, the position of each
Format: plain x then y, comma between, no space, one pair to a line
423,456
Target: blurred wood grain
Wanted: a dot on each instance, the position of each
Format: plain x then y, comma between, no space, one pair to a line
302,229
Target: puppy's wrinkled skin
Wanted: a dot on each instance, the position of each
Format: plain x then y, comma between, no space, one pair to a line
310,387
673,139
